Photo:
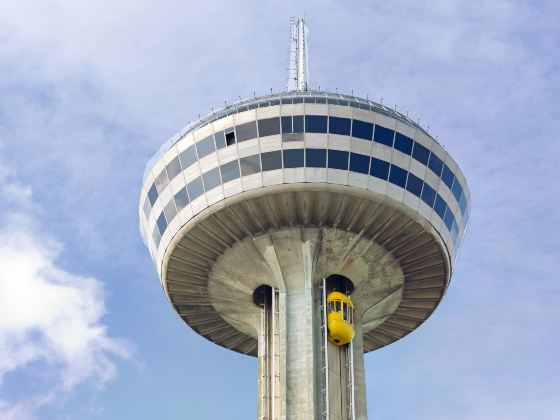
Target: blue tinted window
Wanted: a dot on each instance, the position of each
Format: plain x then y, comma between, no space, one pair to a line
271,160
379,168
463,204
181,199
211,179
420,153
287,125
454,232
173,168
250,165
414,184
205,147
230,171
397,176
293,158
246,131
448,218
383,135
403,143
162,181
152,194
362,130
315,124
161,223
435,164
298,123
316,158
147,207
457,190
447,176
195,188
169,210
156,235
338,159
359,163
188,157
269,127
440,206
220,139
428,195
339,125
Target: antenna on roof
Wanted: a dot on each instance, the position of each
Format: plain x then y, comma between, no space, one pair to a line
297,78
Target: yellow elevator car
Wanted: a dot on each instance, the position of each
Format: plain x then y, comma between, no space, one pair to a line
340,318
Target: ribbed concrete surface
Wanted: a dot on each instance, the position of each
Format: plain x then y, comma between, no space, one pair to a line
396,259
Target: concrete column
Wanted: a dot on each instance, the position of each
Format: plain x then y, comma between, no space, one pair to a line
300,374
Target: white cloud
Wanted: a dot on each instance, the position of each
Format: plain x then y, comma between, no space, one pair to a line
49,316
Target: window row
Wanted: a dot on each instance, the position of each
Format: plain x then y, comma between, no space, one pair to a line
310,158
339,306
296,124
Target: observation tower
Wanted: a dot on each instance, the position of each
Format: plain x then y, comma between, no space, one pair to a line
305,228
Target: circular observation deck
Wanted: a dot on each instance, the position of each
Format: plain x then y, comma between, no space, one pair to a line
226,206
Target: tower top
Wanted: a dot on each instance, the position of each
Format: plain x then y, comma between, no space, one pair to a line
297,78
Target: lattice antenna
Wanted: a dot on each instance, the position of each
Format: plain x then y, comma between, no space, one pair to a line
297,78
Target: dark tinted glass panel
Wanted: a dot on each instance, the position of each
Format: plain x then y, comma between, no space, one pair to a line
161,223
440,206
379,168
152,194
359,163
428,195
246,131
170,211
316,158
457,190
414,184
181,199
173,168
230,171
435,164
250,165
147,207
220,140
287,125
403,143
339,125
298,100
205,146
211,179
448,218
298,123
316,124
271,160
156,236
383,135
195,188
269,127
447,176
397,176
338,159
188,157
420,153
162,181
362,129
293,158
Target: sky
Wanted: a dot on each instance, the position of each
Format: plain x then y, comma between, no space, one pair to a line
88,92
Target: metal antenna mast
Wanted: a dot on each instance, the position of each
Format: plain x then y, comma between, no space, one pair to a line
297,79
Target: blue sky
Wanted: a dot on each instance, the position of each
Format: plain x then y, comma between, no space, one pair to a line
89,91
